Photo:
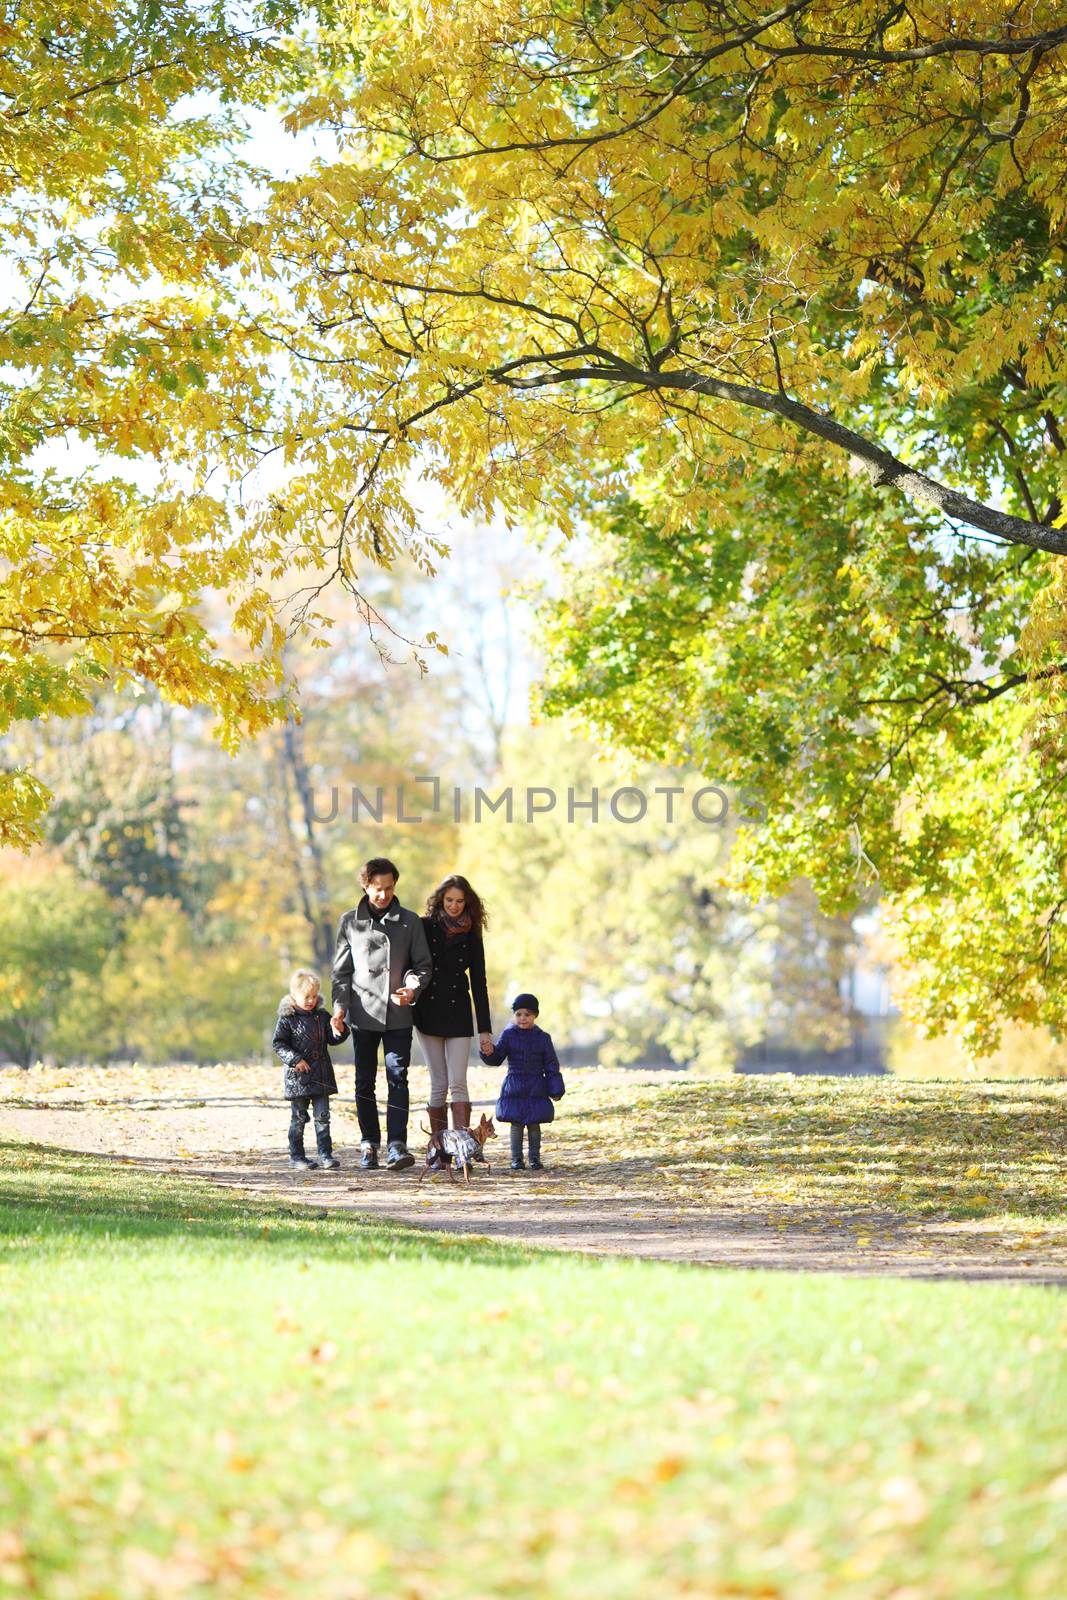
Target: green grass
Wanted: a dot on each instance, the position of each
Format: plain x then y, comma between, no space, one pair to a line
208,1396
797,1145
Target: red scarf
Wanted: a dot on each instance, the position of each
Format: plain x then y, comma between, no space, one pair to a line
454,925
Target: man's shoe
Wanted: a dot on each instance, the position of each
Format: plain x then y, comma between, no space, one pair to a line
537,1166
399,1156
300,1163
519,1166
368,1157
328,1163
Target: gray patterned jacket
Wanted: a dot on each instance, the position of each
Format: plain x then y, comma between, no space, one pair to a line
374,956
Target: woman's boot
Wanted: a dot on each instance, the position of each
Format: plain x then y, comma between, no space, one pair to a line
461,1113
438,1123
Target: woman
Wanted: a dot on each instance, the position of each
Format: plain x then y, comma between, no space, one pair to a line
454,922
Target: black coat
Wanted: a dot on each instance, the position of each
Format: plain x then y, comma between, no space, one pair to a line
444,1008
301,1035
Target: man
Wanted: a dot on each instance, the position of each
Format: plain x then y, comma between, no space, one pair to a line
381,963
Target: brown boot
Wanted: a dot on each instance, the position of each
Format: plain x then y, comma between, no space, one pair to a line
438,1123
461,1113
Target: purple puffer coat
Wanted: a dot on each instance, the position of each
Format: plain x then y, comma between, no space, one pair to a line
533,1075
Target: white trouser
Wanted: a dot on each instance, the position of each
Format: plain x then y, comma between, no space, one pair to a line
447,1060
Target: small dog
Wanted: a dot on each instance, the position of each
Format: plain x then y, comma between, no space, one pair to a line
462,1145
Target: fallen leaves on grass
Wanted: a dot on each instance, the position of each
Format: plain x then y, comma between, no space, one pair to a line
323,1353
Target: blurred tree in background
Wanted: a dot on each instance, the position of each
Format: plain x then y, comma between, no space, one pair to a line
55,934
181,884
1019,1051
173,995
117,817
626,930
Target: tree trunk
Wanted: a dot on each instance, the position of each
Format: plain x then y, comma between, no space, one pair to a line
307,857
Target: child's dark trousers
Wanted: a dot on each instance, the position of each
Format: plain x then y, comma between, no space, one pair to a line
533,1133
320,1104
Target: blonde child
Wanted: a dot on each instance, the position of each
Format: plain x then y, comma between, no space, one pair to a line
303,1037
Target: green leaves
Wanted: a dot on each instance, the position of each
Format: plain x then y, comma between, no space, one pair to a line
849,672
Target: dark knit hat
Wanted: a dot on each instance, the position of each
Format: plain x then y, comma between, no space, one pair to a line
526,1002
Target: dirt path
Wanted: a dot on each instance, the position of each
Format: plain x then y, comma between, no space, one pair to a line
228,1129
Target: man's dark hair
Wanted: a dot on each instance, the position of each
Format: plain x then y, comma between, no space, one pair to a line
377,866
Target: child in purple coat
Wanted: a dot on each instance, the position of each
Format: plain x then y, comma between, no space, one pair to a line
533,1079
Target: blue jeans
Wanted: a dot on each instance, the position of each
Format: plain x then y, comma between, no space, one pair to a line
396,1043
299,1119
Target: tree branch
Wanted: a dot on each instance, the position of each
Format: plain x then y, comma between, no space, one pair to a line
1036,42
691,65
878,464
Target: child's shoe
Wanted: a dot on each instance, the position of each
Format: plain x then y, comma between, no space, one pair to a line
368,1157
519,1166
537,1166
299,1164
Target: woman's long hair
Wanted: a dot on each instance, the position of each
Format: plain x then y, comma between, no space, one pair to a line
435,905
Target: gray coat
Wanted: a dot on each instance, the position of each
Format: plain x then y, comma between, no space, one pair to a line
374,956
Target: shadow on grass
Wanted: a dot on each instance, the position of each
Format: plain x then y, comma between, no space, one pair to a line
50,1193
